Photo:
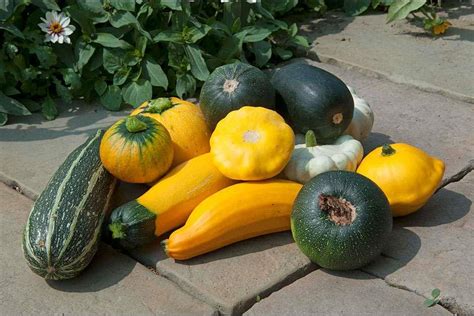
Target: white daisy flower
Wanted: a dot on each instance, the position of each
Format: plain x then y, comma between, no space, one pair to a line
57,27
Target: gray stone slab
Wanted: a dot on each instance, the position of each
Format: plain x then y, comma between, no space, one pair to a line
400,51
31,148
113,284
433,249
342,293
231,279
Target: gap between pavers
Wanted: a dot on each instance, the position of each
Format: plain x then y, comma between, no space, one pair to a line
400,51
112,284
342,293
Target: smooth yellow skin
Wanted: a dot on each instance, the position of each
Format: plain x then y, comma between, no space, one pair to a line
408,177
187,127
239,212
136,162
174,197
252,143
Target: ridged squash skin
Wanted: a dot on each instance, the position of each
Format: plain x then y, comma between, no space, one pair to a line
341,244
185,123
233,86
236,213
168,203
406,174
137,156
311,98
252,143
64,225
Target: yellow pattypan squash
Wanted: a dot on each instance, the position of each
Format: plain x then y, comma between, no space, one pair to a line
407,175
252,143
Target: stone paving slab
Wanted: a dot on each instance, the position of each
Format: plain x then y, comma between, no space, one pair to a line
434,249
232,278
400,51
113,284
342,293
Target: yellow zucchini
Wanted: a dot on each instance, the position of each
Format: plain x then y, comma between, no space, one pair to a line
238,212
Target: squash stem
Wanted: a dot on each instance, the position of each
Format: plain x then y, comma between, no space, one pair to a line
134,125
164,245
158,105
387,150
310,139
118,230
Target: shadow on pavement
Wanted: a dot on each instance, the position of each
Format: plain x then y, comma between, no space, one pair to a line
375,140
106,269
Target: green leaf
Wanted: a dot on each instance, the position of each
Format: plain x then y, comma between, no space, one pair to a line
63,92
375,3
156,74
109,40
255,33
263,52
112,98
185,85
168,36
355,7
293,29
82,17
92,6
198,65
231,47
84,52
141,44
193,34
435,293
12,29
50,112
283,53
46,4
236,25
45,55
11,90
121,76
71,78
401,8
172,4
3,118
120,18
32,106
112,60
137,92
11,106
299,40
127,5
100,86
430,302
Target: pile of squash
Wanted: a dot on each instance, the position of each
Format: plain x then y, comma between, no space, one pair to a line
260,154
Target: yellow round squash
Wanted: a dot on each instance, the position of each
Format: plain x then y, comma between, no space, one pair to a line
407,175
137,149
185,123
252,143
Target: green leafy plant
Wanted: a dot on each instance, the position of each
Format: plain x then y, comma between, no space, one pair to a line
128,51
429,302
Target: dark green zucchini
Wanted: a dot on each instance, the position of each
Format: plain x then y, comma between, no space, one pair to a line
341,220
311,98
233,86
62,232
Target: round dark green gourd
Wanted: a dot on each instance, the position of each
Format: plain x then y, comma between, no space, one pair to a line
63,229
341,220
233,86
311,98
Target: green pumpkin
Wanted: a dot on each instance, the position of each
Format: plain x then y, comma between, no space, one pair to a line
233,86
341,220
311,98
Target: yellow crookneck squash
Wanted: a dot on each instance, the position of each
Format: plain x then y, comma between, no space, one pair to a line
137,149
185,123
252,143
168,203
407,175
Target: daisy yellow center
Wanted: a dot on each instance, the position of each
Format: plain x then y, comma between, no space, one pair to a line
55,27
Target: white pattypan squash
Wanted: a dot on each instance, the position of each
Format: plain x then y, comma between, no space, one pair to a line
363,118
309,159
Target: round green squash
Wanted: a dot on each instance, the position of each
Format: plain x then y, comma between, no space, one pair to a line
233,86
311,98
341,220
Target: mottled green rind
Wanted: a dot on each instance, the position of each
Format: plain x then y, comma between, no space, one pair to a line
341,247
63,228
254,89
138,224
308,97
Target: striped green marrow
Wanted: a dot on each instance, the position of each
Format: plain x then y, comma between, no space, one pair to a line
63,228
